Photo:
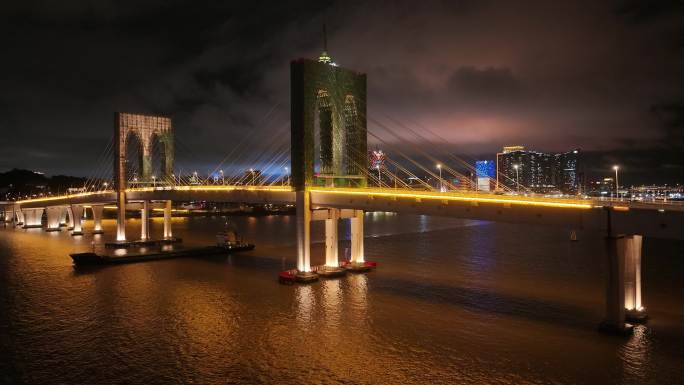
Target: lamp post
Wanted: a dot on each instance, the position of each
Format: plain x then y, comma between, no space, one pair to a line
287,175
517,178
251,170
441,185
223,179
377,166
154,181
617,184
105,185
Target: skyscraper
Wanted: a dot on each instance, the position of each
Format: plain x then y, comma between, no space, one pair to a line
523,170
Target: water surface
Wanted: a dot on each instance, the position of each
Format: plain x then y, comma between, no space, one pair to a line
452,301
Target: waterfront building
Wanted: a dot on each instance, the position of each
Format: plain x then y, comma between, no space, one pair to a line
520,169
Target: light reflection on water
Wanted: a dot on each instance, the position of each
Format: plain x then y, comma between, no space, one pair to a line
452,301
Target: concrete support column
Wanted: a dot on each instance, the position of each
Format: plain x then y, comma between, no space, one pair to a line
121,216
331,238
167,220
357,237
19,215
97,219
54,214
634,308
32,218
623,294
70,218
77,210
145,221
63,216
303,231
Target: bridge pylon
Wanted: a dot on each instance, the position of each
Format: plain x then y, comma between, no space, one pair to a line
145,128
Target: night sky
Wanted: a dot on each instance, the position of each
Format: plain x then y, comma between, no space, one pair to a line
606,77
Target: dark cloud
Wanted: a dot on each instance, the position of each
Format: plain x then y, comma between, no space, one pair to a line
602,76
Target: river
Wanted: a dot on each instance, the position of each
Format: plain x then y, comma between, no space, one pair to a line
451,302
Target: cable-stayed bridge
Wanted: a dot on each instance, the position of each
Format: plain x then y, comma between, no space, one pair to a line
327,177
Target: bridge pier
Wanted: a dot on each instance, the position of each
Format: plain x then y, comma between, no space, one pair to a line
168,234
54,214
623,291
32,218
331,238
19,215
634,310
121,216
304,273
70,218
97,219
77,211
63,217
357,255
145,221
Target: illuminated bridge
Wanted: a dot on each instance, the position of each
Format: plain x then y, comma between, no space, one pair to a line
331,101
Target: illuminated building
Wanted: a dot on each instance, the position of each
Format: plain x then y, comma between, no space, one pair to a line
538,172
486,172
567,176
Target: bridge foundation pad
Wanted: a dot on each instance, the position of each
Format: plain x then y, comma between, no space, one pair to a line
331,271
636,316
306,277
358,267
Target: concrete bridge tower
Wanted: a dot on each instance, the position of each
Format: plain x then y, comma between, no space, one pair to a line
334,98
145,128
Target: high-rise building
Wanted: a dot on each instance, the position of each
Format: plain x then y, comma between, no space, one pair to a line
519,169
567,172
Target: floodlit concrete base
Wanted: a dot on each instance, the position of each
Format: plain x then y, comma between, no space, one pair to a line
624,329
331,272
636,316
98,231
53,229
32,226
306,277
358,267
76,233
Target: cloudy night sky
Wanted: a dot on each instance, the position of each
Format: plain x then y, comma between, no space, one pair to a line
603,76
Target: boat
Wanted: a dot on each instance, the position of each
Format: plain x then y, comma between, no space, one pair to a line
229,240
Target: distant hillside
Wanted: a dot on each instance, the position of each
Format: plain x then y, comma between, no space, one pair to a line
19,182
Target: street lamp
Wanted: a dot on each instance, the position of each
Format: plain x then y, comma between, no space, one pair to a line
154,181
105,185
253,178
223,179
441,185
287,174
517,177
617,185
377,166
